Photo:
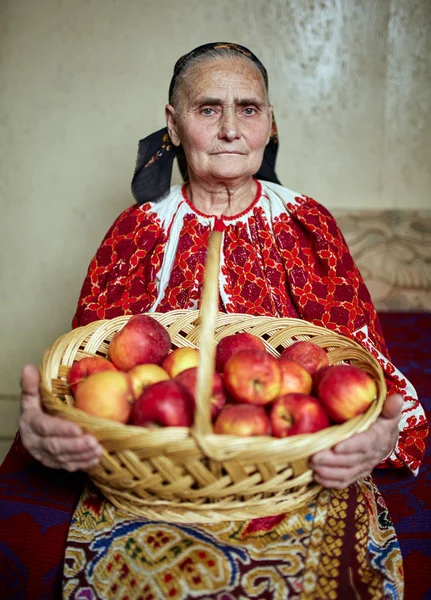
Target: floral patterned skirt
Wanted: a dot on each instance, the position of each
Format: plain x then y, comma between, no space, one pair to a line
340,546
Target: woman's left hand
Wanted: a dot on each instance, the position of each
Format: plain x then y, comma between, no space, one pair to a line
357,456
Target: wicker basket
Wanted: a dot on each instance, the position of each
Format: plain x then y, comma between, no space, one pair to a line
191,475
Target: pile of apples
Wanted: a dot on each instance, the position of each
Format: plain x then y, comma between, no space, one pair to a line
146,383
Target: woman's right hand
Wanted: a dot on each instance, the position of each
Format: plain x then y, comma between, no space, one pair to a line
55,442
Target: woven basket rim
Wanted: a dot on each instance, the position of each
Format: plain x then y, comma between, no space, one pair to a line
127,445
166,433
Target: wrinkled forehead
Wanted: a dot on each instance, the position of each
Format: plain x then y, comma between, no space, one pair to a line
206,50
235,76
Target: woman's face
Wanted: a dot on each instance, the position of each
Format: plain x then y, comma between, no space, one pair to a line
223,120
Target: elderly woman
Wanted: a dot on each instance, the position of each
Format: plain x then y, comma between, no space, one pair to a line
282,255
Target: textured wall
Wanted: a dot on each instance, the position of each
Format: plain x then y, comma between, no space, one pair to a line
81,81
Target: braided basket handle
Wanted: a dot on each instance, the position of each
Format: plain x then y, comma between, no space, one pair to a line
208,318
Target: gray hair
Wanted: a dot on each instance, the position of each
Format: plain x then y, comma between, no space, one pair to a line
185,79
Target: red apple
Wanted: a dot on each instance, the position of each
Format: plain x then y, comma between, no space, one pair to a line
295,379
297,413
242,420
233,343
142,376
317,376
188,379
180,359
346,391
86,366
311,356
107,395
166,403
253,376
142,340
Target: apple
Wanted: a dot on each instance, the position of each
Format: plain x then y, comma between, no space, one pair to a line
317,376
294,377
297,413
142,376
345,391
242,420
253,376
180,359
166,403
188,379
86,366
106,394
142,340
232,343
311,356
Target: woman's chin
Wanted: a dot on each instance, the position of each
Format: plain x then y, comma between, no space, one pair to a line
230,173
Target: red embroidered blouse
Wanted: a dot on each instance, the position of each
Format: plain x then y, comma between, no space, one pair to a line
283,256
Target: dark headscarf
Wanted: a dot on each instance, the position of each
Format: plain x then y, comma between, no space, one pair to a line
156,153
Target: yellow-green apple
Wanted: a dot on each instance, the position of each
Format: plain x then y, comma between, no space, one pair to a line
294,377
252,376
107,395
180,359
242,420
86,366
346,391
311,356
297,413
166,403
142,340
188,379
233,343
142,376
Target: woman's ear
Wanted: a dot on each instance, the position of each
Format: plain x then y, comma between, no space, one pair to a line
171,124
270,116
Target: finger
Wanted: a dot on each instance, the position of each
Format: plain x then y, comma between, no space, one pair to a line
79,462
340,474
331,483
392,407
60,447
332,459
47,426
30,387
339,483
80,457
359,443
333,474
82,465
71,466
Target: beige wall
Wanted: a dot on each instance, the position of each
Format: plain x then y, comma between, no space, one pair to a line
82,80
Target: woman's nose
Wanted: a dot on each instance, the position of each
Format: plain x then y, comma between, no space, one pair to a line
229,126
